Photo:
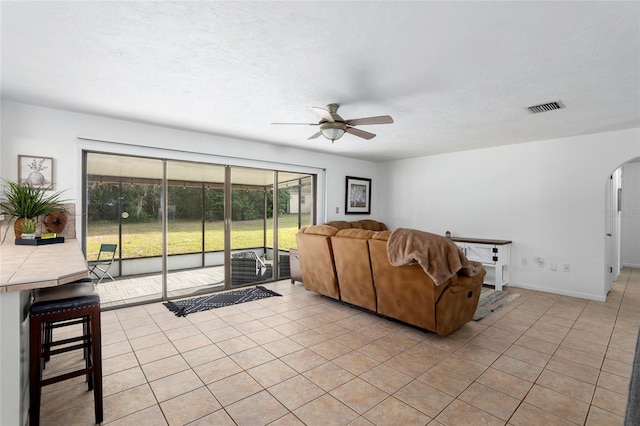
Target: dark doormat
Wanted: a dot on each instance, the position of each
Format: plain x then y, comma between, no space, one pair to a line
197,304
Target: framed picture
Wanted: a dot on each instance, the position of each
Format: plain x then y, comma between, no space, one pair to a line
358,192
38,171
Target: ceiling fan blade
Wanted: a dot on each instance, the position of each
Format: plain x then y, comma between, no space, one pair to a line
360,133
381,119
296,124
324,113
315,135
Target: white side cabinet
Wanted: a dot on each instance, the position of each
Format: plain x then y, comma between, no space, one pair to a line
495,256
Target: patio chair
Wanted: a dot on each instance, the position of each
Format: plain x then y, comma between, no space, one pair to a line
100,267
246,267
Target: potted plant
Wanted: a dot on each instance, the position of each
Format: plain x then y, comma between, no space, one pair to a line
24,201
28,229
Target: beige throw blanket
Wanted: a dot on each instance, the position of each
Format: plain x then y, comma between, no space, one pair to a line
440,257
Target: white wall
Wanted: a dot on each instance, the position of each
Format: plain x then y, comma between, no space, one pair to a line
32,130
548,197
631,215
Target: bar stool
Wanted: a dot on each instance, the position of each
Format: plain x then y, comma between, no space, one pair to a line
49,326
62,306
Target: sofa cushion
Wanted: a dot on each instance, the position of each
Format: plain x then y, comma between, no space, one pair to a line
340,224
405,293
316,260
362,234
353,267
372,225
381,235
368,224
327,230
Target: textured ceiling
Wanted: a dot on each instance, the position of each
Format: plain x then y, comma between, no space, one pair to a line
454,75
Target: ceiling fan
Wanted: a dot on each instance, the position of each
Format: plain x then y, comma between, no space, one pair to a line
333,127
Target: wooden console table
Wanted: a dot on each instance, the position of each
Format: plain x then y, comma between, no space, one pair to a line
495,256
22,269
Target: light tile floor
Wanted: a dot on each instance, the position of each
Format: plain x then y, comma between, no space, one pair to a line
304,359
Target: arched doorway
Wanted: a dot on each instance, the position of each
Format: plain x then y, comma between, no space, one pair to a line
622,246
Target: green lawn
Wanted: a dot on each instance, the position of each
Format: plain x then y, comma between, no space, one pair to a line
145,239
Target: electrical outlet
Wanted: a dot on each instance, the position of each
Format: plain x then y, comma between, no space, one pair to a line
566,268
540,261
524,261
554,267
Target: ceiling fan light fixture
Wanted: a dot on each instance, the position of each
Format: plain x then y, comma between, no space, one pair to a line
332,131
332,134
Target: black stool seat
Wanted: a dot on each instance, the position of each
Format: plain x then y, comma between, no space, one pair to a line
62,306
69,296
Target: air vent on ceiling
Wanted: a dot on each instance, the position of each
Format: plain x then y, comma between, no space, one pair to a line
535,109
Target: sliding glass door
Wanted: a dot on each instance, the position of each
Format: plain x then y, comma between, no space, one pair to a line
295,210
124,207
251,225
186,228
195,228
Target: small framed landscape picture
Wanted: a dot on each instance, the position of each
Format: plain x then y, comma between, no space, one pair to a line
37,171
358,192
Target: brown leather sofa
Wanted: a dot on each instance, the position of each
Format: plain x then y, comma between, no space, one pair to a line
349,262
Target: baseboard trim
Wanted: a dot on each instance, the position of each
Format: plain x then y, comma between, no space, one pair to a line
580,295
631,265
